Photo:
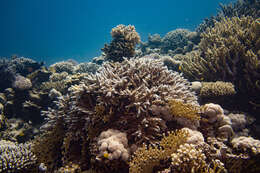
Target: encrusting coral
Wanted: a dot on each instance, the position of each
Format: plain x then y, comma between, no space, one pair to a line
217,89
123,44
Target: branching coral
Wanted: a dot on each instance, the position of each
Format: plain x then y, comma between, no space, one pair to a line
129,89
123,44
229,52
121,96
146,158
236,9
16,158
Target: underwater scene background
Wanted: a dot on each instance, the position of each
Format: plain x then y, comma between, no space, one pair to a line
173,88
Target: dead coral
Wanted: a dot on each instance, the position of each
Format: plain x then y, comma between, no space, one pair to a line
123,44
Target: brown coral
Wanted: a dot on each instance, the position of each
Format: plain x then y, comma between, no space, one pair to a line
123,44
184,110
217,89
146,158
229,52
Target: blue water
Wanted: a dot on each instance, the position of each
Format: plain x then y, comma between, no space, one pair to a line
55,30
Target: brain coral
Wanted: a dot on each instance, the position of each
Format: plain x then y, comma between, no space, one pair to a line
120,96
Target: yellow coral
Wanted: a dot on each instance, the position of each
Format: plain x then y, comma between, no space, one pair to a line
180,109
147,157
215,89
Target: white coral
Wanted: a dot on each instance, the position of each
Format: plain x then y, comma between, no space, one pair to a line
215,115
238,121
246,143
113,144
194,137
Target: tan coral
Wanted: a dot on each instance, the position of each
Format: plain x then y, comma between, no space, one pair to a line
217,89
229,52
146,158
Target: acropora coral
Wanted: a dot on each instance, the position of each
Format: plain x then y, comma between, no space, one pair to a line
146,158
130,97
229,52
16,157
125,38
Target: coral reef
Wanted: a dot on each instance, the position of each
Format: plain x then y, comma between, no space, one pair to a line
63,66
125,38
190,158
237,9
219,124
121,96
229,52
180,109
178,41
247,144
16,158
87,67
145,159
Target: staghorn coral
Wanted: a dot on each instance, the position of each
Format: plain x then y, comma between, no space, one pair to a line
123,44
16,158
127,90
229,52
237,9
119,96
146,158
